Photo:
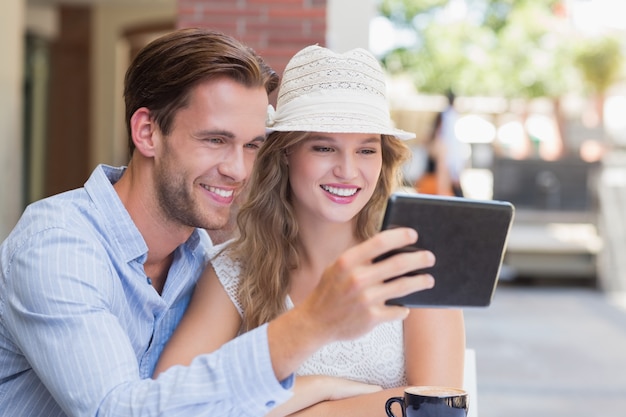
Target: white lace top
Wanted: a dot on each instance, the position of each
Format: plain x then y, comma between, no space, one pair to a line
375,358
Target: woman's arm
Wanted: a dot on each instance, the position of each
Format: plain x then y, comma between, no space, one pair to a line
210,321
367,405
434,345
310,390
434,355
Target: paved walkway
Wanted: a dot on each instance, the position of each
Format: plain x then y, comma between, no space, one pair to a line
549,352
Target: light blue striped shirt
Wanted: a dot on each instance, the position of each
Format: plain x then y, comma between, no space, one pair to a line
81,328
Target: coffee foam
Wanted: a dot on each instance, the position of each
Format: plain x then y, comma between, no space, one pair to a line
435,391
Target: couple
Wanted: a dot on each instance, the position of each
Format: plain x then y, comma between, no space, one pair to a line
93,282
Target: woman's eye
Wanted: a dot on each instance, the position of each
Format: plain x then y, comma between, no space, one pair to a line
322,149
368,151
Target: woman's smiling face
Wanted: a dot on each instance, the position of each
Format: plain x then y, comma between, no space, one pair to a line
333,175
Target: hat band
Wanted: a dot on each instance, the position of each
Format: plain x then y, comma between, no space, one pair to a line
302,108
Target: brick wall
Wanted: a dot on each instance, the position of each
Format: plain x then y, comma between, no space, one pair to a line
276,29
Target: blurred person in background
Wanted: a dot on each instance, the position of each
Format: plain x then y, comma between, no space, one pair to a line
446,160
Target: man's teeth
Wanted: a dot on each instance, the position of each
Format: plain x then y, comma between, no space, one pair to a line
221,192
342,192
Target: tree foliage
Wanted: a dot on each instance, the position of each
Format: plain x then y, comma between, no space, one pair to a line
511,48
600,62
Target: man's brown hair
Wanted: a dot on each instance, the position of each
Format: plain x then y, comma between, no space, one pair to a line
162,75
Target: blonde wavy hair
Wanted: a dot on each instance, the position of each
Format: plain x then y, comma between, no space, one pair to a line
266,247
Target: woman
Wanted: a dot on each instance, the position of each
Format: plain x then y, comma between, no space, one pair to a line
319,186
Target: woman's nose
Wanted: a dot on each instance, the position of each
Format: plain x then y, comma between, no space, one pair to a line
346,167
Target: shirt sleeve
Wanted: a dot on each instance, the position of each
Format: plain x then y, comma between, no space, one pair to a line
58,310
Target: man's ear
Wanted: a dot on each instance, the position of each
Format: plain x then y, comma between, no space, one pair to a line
143,130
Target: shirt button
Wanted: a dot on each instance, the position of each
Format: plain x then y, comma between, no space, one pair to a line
149,280
270,403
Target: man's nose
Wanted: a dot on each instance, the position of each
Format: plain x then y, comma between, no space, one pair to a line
235,165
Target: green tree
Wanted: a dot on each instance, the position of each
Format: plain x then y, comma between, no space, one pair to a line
600,62
505,48
502,47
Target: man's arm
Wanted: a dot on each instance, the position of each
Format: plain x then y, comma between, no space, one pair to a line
60,312
63,310
349,300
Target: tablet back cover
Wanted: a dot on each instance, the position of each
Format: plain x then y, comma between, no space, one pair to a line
468,238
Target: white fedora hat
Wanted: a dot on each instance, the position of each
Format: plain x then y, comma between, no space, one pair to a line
324,91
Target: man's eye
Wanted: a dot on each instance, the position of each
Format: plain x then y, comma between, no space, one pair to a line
368,151
253,146
214,140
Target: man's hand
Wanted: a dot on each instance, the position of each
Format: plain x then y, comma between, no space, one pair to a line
350,299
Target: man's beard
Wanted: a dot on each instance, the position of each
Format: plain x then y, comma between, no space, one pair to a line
178,204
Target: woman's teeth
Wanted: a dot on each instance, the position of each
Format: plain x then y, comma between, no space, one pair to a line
342,192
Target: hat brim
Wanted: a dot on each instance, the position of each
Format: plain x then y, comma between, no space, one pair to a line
338,125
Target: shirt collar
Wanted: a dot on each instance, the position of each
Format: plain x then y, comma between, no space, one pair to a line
122,229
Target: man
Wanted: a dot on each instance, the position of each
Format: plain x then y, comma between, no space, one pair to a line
93,281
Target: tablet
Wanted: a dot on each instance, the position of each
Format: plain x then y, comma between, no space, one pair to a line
468,238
